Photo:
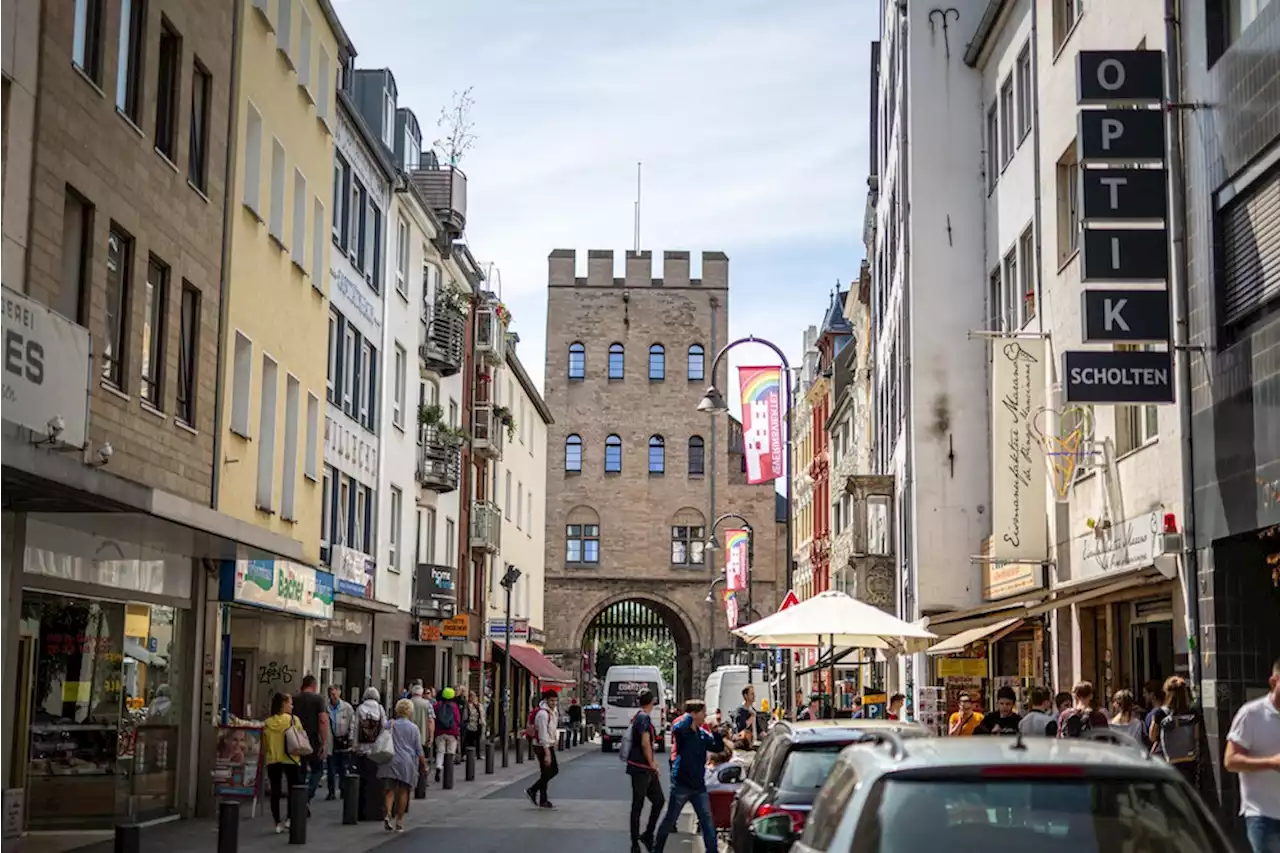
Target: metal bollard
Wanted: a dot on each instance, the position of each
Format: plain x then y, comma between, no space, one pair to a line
298,814
128,838
448,773
505,749
560,740
228,826
519,751
488,758
471,764
350,800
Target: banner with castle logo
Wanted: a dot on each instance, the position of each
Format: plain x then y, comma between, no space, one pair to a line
762,422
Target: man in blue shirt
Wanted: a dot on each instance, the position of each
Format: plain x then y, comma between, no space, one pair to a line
688,779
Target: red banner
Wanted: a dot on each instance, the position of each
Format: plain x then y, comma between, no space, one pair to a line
736,546
762,422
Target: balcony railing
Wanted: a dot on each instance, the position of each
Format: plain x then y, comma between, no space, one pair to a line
442,348
444,189
486,526
488,430
439,460
492,319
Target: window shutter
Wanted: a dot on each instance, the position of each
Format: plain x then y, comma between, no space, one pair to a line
1251,249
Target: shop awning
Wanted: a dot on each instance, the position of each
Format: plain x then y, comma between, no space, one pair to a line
539,666
1066,596
961,641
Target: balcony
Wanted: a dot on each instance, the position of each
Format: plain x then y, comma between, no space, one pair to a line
446,330
489,426
486,527
492,319
444,189
439,459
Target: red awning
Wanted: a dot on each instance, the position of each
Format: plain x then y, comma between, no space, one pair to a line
539,666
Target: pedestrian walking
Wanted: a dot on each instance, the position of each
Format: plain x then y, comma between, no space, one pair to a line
642,767
1005,720
448,724
688,775
342,721
1040,719
896,701
1177,737
474,723
400,775
1083,715
965,721
1127,716
284,768
371,719
309,708
545,721
424,717
1253,751
814,711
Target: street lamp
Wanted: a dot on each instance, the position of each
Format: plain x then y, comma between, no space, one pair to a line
713,544
713,402
504,726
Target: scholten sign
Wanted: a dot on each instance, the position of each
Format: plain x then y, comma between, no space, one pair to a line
1118,378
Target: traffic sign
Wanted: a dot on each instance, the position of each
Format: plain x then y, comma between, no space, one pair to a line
1126,315
789,601
1116,254
1118,378
1116,136
1123,194
1119,77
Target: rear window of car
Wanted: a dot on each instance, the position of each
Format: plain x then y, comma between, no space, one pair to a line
626,694
1044,816
807,767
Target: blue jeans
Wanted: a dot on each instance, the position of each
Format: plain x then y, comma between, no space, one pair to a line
313,770
701,802
337,766
1264,834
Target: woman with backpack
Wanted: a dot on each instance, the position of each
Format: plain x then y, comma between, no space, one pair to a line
1083,714
1175,736
280,731
1128,717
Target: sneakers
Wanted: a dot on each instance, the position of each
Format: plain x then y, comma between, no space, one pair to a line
545,804
647,841
399,826
437,774
279,828
533,798
386,824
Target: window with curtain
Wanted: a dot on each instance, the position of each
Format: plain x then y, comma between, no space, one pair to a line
657,455
577,361
573,454
617,360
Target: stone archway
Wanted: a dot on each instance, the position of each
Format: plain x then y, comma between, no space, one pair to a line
623,625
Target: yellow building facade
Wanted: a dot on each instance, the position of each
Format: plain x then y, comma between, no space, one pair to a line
275,334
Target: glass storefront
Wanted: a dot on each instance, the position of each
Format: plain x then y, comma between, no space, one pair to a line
100,696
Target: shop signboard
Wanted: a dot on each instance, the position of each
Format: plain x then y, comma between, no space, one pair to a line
47,369
1019,532
433,589
537,636
519,629
278,585
353,571
457,628
428,632
1118,548
346,626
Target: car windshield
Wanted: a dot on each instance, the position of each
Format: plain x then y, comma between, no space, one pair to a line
806,767
626,694
1044,816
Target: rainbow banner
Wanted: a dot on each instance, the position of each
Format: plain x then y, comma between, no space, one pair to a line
736,547
731,609
762,422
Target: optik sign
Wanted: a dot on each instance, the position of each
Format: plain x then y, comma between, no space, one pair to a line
47,364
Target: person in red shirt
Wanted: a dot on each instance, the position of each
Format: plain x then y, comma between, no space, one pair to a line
896,701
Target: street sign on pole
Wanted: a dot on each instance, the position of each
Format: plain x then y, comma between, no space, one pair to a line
1118,378
789,601
1134,316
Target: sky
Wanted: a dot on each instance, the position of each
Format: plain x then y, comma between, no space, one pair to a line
749,116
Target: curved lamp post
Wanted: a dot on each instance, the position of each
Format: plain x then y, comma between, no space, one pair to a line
713,403
713,544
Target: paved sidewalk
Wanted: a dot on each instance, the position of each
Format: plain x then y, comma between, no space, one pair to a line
325,830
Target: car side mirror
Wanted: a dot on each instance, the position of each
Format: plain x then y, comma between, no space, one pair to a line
777,828
731,775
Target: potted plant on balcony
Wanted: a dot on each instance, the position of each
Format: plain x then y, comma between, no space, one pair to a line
450,299
503,313
430,415
508,420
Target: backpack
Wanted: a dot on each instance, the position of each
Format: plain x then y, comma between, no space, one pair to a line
628,741
531,725
1077,724
369,729
447,716
1179,738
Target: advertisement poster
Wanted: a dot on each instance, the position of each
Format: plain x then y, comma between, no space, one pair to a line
731,609
1018,502
736,546
930,710
762,422
237,763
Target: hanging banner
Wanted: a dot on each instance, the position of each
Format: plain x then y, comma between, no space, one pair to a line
736,547
762,422
731,609
1019,530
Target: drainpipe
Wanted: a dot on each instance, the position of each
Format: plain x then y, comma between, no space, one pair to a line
904,183
715,464
1181,342
230,208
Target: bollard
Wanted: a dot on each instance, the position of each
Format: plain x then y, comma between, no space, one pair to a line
560,740
471,764
488,758
350,800
448,772
228,826
520,751
505,753
128,838
298,814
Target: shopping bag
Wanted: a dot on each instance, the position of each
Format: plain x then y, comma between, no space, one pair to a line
296,742
383,748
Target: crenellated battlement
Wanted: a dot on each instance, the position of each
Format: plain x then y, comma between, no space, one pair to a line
637,270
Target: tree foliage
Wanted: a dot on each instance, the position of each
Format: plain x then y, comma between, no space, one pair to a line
637,653
458,128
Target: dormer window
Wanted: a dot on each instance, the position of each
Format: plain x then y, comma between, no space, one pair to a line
412,150
388,118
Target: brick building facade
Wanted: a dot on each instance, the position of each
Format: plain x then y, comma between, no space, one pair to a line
635,474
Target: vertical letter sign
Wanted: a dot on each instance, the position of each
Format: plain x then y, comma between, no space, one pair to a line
762,422
735,559
1018,528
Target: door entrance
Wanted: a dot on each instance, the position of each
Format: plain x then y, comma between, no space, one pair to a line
1152,652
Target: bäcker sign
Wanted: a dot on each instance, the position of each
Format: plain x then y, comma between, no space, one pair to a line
1118,378
47,365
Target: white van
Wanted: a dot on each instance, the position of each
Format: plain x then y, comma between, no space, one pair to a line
622,688
724,689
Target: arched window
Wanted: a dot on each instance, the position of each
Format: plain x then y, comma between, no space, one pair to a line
582,537
577,361
657,455
697,456
697,362
573,454
688,538
616,361
613,455
657,363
